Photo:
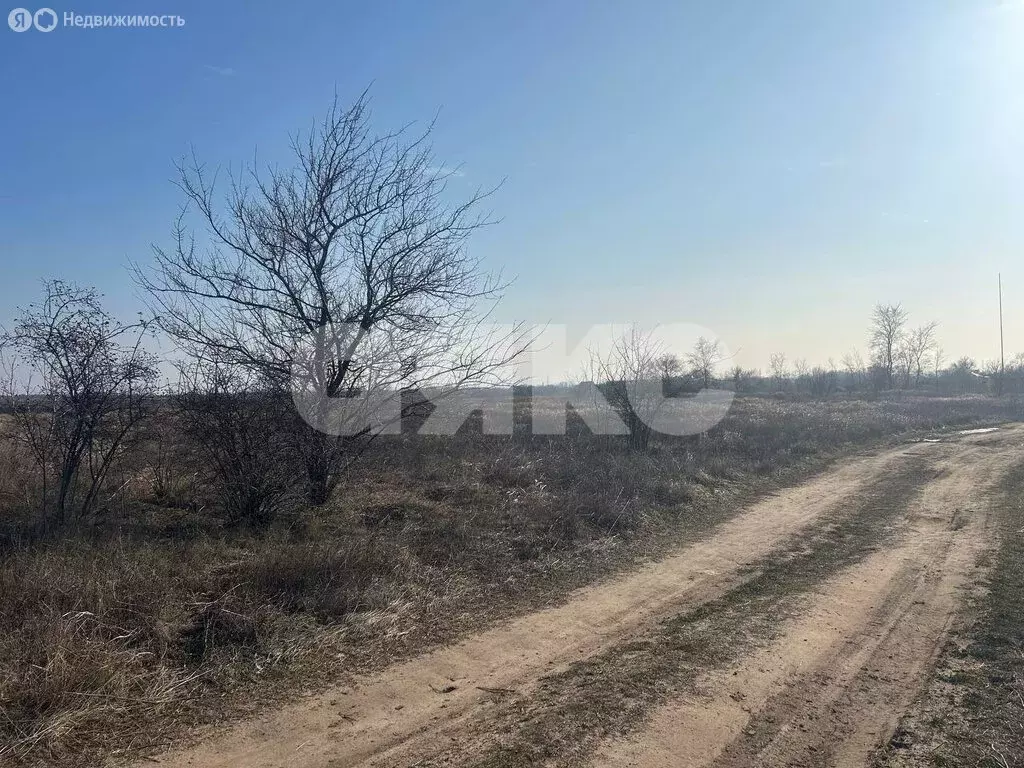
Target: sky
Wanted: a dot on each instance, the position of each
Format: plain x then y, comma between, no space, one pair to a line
768,171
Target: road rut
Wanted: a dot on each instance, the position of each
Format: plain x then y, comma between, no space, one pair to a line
854,621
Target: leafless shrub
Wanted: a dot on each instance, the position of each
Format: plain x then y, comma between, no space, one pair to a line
169,466
239,427
743,379
79,385
822,382
626,372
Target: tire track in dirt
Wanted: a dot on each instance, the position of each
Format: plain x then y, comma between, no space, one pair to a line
423,700
561,721
829,691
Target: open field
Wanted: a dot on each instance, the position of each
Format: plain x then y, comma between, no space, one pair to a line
465,385
157,618
795,634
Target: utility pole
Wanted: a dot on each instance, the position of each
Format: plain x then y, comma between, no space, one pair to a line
1002,358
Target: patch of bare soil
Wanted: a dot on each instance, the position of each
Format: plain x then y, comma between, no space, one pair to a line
972,711
899,603
830,689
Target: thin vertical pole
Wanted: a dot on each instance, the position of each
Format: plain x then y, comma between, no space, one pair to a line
1002,358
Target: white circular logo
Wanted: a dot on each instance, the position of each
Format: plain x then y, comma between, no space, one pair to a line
20,19
45,19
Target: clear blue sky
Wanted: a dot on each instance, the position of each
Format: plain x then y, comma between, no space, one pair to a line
769,170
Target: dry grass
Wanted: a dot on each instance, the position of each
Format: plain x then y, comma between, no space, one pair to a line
159,617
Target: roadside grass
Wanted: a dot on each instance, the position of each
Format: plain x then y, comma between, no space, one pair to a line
611,693
972,714
119,637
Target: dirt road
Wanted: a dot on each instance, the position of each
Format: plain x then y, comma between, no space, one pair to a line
795,634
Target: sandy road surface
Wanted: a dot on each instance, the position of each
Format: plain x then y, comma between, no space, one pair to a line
830,689
824,693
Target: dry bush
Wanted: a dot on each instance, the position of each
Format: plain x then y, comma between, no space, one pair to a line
239,429
86,386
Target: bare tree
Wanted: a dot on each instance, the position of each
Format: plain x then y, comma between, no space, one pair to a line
887,328
914,350
626,373
704,358
737,374
937,358
856,370
743,377
964,374
80,383
777,367
801,373
670,366
344,274
853,362
822,382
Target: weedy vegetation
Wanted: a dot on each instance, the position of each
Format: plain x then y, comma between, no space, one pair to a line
163,609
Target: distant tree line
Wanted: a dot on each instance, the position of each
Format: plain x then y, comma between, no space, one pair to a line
901,357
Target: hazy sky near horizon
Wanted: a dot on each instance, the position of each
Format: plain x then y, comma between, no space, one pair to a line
768,170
